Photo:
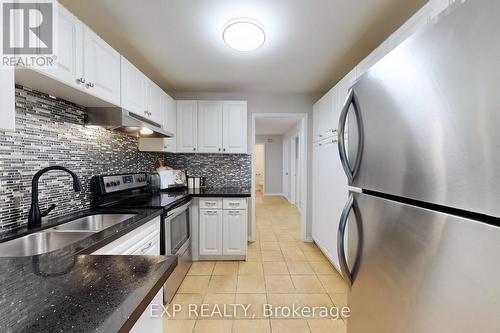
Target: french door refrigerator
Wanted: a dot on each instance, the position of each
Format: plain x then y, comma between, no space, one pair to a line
420,245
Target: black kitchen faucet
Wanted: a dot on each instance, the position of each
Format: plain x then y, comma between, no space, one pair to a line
35,215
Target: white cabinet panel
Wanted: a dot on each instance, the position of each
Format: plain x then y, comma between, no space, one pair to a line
210,232
7,100
210,126
234,125
187,126
234,232
68,66
133,91
154,102
169,107
373,58
101,67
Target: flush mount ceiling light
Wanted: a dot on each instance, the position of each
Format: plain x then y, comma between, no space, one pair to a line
244,35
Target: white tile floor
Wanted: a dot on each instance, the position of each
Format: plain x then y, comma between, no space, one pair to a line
280,270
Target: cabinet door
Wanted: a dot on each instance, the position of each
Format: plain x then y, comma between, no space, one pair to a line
234,127
68,66
133,90
169,122
234,232
101,67
7,99
210,232
154,103
210,126
187,126
377,54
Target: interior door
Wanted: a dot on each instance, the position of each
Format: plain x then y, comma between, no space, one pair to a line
417,270
210,126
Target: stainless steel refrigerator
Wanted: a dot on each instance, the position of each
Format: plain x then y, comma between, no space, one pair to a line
420,245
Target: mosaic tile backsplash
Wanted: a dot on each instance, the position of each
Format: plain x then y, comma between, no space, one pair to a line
50,132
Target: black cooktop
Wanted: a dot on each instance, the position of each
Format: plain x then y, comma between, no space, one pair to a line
165,200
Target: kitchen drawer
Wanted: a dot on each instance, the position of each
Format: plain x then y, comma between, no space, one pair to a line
132,241
234,203
209,203
151,246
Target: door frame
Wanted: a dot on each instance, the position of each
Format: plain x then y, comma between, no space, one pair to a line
264,167
303,142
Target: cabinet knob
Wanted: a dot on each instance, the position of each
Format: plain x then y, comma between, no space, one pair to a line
89,85
224,149
194,148
81,80
219,149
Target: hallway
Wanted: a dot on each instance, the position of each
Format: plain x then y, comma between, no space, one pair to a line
281,270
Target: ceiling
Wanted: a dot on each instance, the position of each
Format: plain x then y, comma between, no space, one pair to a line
310,44
274,125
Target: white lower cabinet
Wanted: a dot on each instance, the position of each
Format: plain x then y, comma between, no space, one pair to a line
234,232
210,232
223,230
144,240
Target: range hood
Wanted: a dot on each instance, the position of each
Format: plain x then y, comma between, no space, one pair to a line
119,119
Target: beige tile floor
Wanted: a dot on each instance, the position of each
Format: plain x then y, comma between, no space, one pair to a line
280,270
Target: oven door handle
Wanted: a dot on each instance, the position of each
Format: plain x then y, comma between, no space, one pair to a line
175,212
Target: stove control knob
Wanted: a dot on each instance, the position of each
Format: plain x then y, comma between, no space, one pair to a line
108,184
118,182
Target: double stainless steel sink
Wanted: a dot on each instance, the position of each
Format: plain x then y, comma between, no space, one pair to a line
60,236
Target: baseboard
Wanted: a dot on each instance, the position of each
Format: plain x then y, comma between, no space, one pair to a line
273,194
308,240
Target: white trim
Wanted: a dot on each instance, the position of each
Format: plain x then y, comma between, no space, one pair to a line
264,166
304,146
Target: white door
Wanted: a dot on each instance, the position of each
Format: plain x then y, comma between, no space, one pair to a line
293,172
68,66
154,100
259,168
286,170
234,232
234,125
210,232
134,89
101,67
7,100
187,126
210,126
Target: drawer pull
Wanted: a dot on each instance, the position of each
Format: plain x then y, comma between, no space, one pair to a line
211,212
144,249
234,204
234,212
210,203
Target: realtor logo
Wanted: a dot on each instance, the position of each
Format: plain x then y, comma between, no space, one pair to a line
28,32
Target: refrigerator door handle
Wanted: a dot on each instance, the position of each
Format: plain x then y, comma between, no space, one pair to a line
350,100
349,275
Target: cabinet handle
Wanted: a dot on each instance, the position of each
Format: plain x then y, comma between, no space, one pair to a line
234,204
210,204
219,149
81,80
147,247
89,85
234,212
211,212
224,149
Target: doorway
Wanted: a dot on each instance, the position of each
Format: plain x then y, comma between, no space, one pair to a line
284,171
260,155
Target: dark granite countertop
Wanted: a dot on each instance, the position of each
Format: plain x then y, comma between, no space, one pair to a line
228,192
70,290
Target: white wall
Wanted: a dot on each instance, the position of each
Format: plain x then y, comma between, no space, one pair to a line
273,160
269,103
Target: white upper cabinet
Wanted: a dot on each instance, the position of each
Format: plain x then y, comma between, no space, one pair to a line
154,103
234,125
373,58
7,100
68,66
101,68
187,126
210,126
134,89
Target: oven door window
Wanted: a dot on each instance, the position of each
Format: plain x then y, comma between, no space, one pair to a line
179,231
